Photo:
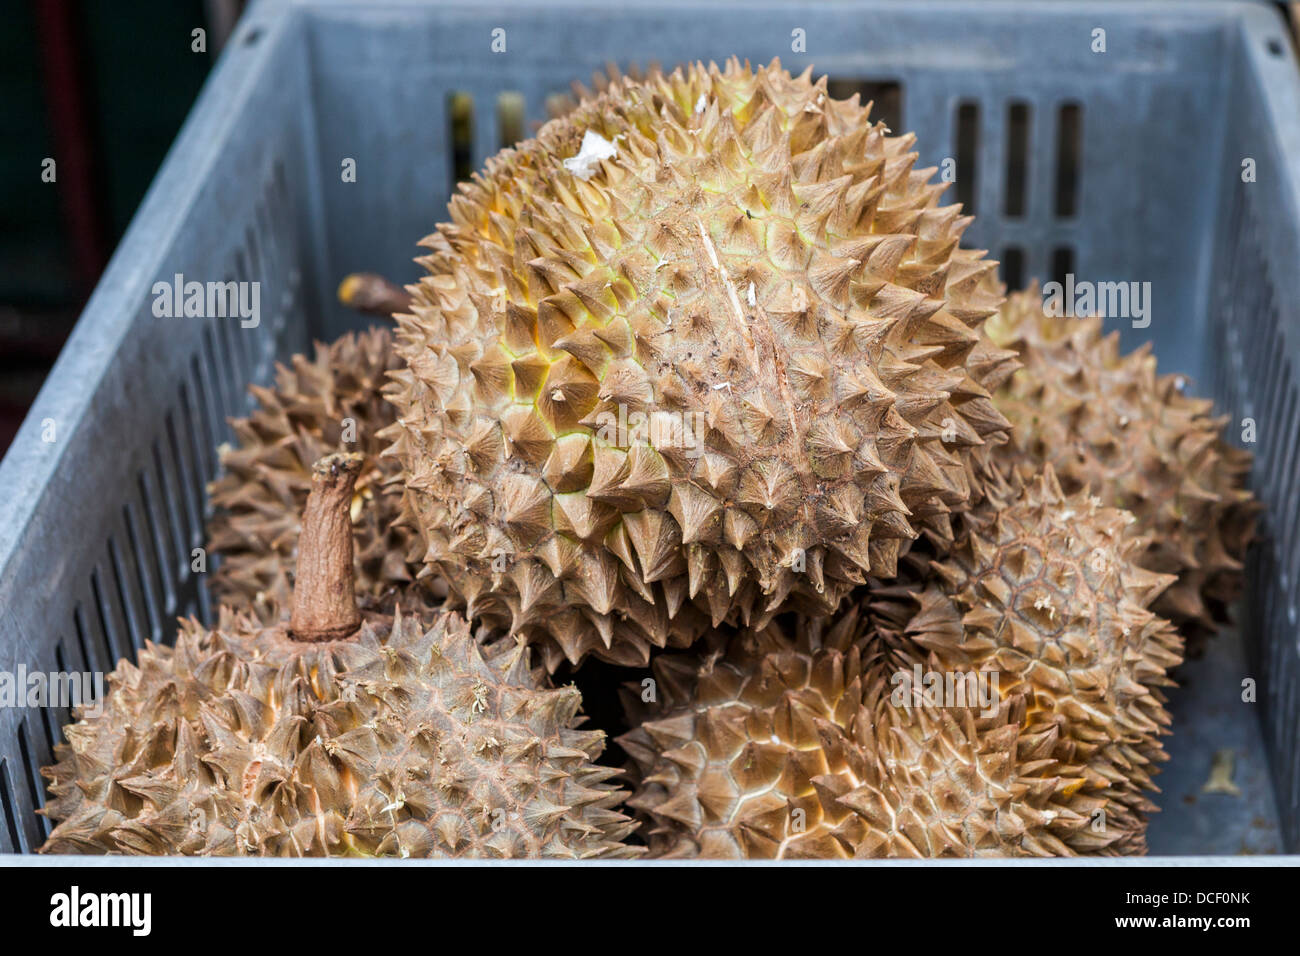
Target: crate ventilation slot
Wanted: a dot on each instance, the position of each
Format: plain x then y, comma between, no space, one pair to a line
967,139
1013,200
32,773
1069,140
460,136
511,125
1013,267
886,97
1062,263
9,807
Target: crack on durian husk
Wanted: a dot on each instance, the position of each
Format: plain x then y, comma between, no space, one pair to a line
1106,421
408,741
841,413
267,476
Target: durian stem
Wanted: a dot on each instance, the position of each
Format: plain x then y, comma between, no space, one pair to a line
372,294
324,595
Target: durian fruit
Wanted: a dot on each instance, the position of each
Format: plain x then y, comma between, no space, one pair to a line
1046,589
1107,421
779,746
561,104
806,745
329,403
334,734
373,294
704,350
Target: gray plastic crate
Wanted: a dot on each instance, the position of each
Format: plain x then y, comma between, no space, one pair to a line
97,524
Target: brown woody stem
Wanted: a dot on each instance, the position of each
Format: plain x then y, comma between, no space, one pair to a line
324,595
373,294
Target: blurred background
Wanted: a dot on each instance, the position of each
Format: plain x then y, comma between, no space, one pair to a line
102,88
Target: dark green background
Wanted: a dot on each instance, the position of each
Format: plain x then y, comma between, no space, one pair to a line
138,79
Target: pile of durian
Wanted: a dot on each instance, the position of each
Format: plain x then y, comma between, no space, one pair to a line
699,384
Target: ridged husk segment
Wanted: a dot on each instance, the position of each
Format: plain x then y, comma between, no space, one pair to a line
267,475
759,276
793,744
408,740
1108,422
1046,588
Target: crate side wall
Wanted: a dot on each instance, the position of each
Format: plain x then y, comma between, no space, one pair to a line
1255,373
109,558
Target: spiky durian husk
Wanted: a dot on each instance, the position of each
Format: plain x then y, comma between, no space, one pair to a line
1106,421
267,476
774,746
561,104
1045,588
408,740
760,261
1039,588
